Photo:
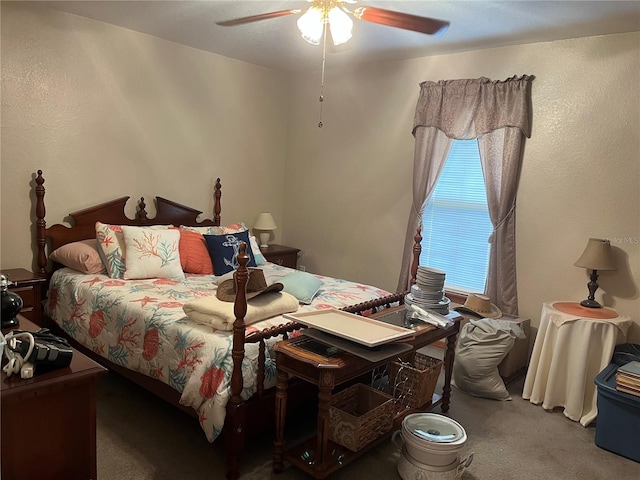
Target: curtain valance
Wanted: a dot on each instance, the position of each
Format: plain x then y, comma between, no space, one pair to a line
488,105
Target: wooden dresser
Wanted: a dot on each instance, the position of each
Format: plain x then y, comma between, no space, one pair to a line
48,427
281,255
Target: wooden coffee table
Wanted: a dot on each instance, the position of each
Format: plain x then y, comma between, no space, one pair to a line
304,358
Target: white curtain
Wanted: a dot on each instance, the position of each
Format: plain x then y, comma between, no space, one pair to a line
498,114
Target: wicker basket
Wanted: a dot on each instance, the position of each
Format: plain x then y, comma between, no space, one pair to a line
413,383
358,415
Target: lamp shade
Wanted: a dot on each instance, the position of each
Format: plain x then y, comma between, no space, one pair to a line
340,25
597,255
265,221
311,25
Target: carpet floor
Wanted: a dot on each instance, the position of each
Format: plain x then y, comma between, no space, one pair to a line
140,437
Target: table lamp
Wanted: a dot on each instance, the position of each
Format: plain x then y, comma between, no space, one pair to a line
596,256
266,224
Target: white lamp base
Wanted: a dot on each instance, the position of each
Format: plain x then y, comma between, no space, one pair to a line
264,239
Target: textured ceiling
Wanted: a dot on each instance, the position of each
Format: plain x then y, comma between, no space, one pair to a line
275,43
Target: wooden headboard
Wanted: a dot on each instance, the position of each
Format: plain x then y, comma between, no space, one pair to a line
84,221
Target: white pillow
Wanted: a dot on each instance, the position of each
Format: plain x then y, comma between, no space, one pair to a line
482,345
111,246
255,249
151,253
223,230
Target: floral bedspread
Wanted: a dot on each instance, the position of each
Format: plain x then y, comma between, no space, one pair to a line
140,325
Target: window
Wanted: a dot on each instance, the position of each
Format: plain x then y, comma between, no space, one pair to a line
455,222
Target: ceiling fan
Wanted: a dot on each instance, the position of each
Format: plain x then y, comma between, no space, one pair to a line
337,16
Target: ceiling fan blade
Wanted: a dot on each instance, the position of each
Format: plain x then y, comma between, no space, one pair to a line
405,21
256,18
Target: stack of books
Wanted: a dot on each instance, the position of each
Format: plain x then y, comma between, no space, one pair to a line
628,378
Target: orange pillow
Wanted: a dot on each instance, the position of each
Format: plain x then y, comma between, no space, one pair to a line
194,256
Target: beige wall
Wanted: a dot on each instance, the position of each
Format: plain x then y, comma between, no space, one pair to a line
580,178
107,112
131,114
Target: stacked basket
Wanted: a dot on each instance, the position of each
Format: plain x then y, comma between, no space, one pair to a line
359,415
412,383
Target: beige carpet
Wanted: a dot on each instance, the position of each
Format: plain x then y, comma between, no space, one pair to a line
141,437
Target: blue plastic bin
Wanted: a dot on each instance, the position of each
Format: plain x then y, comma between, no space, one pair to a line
618,422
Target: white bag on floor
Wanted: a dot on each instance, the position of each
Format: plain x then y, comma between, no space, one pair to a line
481,347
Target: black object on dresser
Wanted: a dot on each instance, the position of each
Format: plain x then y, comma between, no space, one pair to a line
11,304
30,286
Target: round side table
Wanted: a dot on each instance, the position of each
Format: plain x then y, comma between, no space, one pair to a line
571,348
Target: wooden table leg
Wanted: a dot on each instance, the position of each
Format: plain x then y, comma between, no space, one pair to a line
448,370
281,414
324,404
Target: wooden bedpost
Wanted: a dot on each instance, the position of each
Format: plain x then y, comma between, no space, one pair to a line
235,421
417,249
41,224
141,214
217,207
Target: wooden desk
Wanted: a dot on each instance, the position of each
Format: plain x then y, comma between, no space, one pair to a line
319,457
49,421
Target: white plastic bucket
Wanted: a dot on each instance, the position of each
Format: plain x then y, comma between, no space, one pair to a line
410,469
431,439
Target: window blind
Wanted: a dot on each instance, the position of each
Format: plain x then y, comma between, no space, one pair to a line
456,224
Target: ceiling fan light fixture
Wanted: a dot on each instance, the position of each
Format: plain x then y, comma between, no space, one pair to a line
340,25
335,16
311,25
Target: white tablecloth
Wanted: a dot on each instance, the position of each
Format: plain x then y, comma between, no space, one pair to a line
568,354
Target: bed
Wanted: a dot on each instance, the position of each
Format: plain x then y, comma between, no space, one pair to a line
221,372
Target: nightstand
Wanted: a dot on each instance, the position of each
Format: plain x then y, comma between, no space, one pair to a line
281,255
49,420
30,288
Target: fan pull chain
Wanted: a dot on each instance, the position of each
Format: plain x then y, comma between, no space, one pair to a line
324,55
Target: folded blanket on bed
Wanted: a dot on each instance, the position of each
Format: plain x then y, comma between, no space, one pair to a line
219,314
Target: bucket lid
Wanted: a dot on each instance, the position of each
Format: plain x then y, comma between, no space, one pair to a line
433,427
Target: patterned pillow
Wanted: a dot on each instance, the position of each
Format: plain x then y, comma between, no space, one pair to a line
111,248
194,256
152,253
233,228
224,249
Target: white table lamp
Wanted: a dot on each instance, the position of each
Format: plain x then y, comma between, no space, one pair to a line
265,223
